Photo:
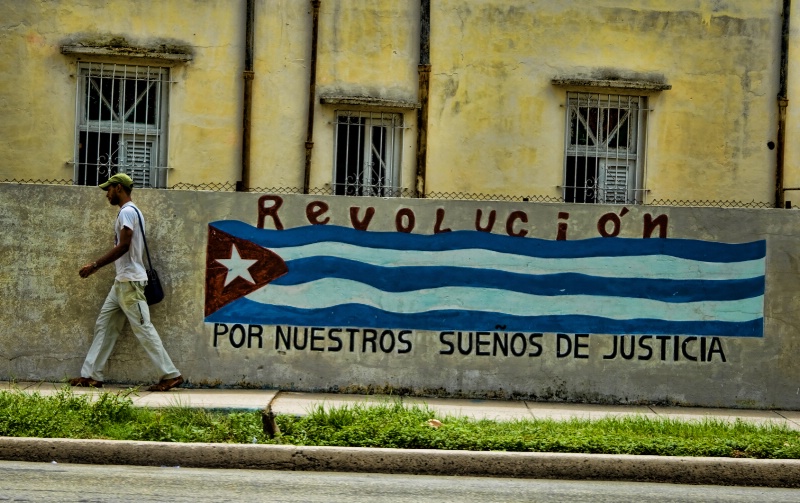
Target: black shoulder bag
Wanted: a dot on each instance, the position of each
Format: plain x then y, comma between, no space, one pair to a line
153,292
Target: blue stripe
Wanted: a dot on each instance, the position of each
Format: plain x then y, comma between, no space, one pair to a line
405,279
532,247
355,315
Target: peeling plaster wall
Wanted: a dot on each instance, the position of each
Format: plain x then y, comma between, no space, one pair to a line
792,159
38,88
366,49
48,312
491,91
496,120
280,93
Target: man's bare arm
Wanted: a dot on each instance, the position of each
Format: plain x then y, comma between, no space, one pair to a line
125,236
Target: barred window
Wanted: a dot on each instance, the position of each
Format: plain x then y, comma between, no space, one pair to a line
121,123
367,153
604,148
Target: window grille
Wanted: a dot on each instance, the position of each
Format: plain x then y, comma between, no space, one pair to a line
367,153
121,115
603,162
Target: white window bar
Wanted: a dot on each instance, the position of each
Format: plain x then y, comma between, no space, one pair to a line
604,154
121,123
367,153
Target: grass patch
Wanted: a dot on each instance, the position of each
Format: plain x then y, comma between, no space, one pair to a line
112,416
392,424
395,425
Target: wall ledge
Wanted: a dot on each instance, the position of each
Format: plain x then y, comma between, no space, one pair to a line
369,101
637,85
127,52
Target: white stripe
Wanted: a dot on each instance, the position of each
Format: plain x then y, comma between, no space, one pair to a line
330,292
645,266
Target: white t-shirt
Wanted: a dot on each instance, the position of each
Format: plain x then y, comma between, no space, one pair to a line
130,266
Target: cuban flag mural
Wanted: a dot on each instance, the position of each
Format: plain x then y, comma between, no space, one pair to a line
333,276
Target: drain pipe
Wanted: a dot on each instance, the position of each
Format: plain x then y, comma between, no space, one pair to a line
247,102
424,69
312,88
783,103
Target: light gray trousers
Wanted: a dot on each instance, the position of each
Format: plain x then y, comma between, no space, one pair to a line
125,301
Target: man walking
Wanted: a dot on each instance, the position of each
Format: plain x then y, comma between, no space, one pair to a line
126,298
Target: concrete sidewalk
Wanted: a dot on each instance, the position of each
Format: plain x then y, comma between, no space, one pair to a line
682,470
300,403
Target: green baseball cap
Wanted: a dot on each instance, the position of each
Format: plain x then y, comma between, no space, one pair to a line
119,178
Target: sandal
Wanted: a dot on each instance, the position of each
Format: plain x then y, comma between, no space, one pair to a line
166,384
85,382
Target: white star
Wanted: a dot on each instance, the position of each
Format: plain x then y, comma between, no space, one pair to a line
237,267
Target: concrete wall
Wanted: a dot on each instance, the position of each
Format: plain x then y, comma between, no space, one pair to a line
48,311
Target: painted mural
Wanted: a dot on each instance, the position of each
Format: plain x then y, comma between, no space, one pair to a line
336,276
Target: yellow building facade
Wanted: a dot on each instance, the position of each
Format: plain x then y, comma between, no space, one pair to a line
607,101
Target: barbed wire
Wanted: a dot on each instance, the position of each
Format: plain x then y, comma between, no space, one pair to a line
411,194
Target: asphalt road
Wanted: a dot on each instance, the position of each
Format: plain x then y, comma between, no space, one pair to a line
51,482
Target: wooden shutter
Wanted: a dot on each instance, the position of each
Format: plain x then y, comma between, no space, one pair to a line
137,161
614,179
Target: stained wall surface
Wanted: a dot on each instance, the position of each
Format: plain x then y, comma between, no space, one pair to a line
39,85
496,121
492,92
46,325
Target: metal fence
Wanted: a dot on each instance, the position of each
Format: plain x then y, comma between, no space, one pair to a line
710,203
411,194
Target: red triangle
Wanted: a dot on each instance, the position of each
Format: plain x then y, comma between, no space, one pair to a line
220,245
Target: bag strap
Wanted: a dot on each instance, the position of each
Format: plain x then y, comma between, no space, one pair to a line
149,264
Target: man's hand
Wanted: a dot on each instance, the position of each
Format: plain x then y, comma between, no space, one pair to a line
88,270
124,244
